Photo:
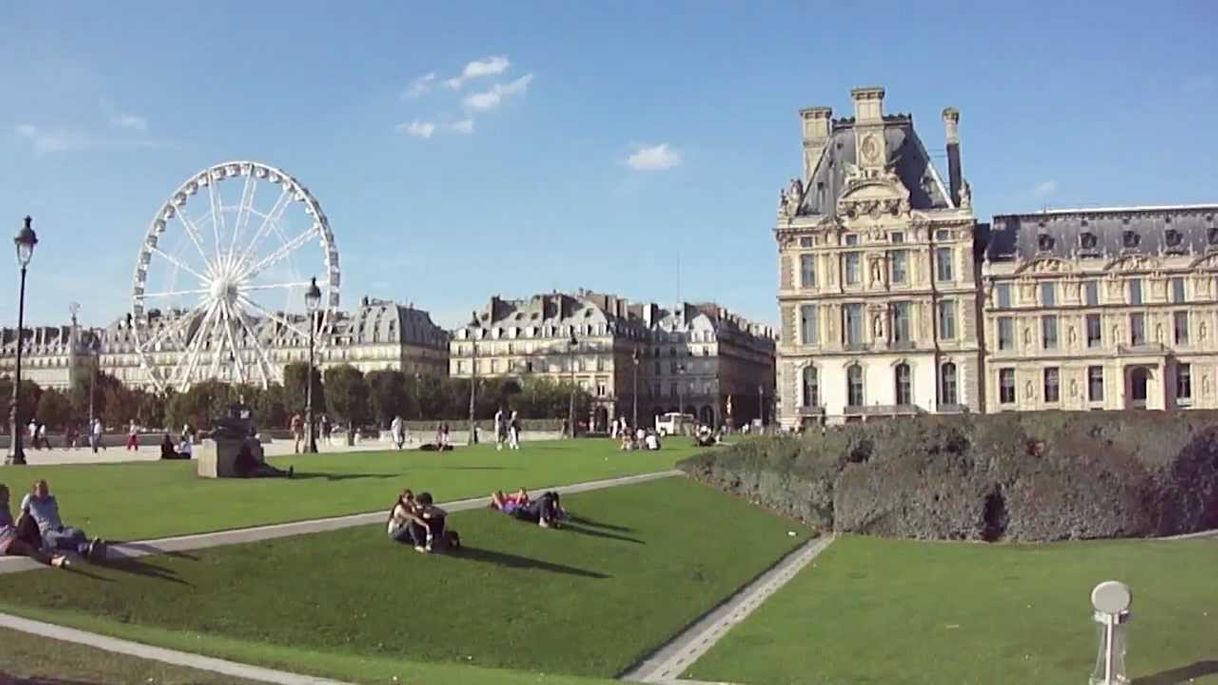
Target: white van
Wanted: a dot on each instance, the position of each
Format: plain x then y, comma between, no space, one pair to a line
674,423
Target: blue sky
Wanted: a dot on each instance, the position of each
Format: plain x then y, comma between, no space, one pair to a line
520,179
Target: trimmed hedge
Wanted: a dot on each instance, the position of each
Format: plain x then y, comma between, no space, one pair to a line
1022,477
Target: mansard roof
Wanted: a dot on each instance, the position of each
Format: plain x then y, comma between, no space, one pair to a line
907,157
1104,233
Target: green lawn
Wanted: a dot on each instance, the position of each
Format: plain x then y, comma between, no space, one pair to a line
34,657
637,564
156,499
883,611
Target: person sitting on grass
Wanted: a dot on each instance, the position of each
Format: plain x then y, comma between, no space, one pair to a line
11,542
249,466
652,441
42,506
168,451
433,518
404,523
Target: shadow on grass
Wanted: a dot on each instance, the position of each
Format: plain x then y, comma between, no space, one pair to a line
140,568
37,680
597,524
120,550
1184,674
304,475
515,561
592,532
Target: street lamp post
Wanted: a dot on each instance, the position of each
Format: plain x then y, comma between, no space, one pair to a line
681,393
572,344
312,301
95,354
25,241
634,396
475,327
761,404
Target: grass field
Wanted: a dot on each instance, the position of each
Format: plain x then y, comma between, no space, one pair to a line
157,499
37,658
884,611
636,565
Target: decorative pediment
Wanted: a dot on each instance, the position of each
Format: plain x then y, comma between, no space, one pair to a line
873,194
1046,265
1133,262
1208,261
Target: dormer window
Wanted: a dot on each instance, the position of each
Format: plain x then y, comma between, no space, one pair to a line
1130,239
1087,241
852,239
1213,236
1173,237
1044,242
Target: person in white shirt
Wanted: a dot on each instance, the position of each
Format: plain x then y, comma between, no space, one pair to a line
514,430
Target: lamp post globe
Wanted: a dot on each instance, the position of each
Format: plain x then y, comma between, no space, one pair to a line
24,241
312,301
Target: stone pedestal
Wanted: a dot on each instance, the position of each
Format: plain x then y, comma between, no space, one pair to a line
218,458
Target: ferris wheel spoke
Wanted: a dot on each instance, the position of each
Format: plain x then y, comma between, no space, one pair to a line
264,361
175,326
270,219
273,316
194,350
193,232
174,293
273,286
280,254
243,211
178,263
217,215
232,344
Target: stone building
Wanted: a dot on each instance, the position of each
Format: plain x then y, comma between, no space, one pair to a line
695,357
877,278
1102,309
379,334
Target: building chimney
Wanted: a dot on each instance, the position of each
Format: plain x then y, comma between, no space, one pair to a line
816,134
951,122
868,104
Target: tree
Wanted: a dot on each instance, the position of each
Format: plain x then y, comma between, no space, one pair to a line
294,387
270,406
30,394
347,397
389,396
54,409
202,403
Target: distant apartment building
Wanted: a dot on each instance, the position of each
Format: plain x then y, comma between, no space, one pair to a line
698,357
378,334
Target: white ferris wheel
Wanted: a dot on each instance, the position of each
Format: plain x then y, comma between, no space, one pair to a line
219,286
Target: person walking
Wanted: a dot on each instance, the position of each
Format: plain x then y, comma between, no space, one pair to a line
500,433
514,430
42,442
133,436
95,435
326,428
297,427
397,432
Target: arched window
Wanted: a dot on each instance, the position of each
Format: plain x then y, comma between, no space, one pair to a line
854,386
904,384
947,384
811,394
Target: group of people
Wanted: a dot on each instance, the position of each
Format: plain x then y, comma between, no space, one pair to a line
325,431
36,435
418,522
39,532
546,511
507,429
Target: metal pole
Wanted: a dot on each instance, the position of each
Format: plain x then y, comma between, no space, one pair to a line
16,455
473,385
571,403
761,404
311,446
92,385
634,418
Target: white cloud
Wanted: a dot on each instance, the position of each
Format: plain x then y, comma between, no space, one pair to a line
418,129
654,158
464,126
490,99
420,85
130,121
45,141
489,66
1045,188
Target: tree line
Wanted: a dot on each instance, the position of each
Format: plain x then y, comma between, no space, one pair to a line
347,395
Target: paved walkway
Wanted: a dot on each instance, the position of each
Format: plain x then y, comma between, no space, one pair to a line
184,543
671,660
168,656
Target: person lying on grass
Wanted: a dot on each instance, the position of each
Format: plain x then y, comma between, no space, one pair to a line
11,542
545,511
42,506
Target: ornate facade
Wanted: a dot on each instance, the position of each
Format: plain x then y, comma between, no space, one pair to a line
377,335
1102,309
877,278
698,356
